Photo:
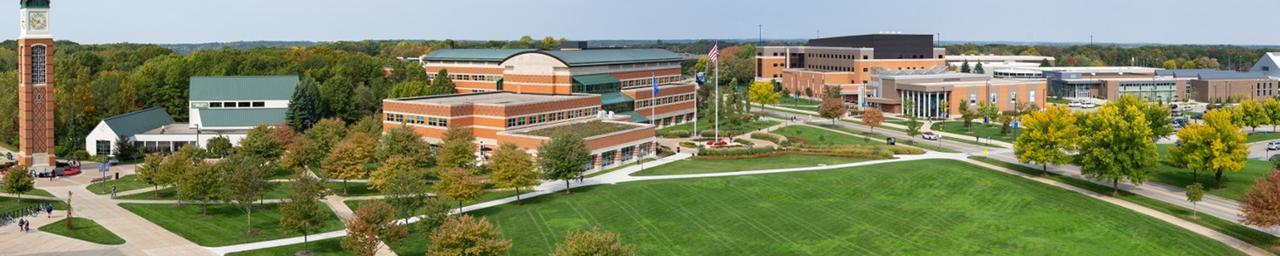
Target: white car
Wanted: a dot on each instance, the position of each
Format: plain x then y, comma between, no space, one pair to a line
1074,104
930,136
1274,145
1088,105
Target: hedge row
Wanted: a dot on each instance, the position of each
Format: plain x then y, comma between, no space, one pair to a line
776,139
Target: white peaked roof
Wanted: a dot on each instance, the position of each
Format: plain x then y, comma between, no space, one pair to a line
1269,64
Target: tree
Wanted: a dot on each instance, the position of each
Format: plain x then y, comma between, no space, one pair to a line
967,114
259,143
1047,136
1262,202
512,168
369,125
245,181
306,106
872,118
401,141
201,182
763,93
381,178
218,147
404,186
17,181
1272,107
1045,63
458,149
564,158
1189,64
303,154
284,135
1169,64
125,150
989,111
464,235
303,212
1195,192
374,223
441,84
913,123
1254,114
1215,145
1030,51
349,158
327,133
1157,115
151,173
808,92
459,184
1117,145
964,67
1005,119
592,242
977,69
832,108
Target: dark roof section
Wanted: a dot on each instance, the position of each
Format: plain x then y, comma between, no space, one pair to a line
136,122
594,57
473,54
243,87
1188,72
34,3
1234,76
885,46
241,117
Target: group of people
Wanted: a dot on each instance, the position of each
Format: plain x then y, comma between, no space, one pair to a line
24,225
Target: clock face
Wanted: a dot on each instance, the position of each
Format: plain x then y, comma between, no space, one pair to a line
39,21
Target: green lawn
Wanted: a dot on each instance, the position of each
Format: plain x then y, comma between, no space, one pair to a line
1261,136
38,192
726,127
691,166
1234,184
225,224
1247,234
879,138
331,246
10,204
356,189
983,131
278,190
85,229
125,183
927,207
615,168
818,136
799,103
484,197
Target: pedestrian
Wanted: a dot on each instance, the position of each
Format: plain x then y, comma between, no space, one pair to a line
20,228
113,191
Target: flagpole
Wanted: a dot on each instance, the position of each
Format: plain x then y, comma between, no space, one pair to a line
717,95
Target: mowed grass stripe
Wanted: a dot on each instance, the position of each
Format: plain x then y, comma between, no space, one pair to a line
926,207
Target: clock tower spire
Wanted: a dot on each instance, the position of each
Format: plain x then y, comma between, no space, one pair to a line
35,85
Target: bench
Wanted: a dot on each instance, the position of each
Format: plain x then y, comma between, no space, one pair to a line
99,179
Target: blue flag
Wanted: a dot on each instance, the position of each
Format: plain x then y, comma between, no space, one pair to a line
655,86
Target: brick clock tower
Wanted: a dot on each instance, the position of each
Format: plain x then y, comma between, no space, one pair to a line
35,85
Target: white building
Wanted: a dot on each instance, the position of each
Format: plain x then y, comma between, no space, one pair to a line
993,62
217,106
1269,64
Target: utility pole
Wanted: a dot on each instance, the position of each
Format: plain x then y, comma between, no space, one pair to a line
760,34
1090,39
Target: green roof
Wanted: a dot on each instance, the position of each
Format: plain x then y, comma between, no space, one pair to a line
241,117
473,54
591,57
613,98
34,3
243,87
595,79
636,117
136,122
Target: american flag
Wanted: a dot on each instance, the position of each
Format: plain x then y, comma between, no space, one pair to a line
715,53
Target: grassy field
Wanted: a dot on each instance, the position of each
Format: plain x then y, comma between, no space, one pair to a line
225,224
10,204
326,247
879,138
125,183
484,197
1234,184
1261,136
799,103
818,136
910,208
278,190
38,192
691,166
356,189
726,127
1246,234
85,229
984,131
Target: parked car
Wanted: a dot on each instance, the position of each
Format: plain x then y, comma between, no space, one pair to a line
1074,104
71,171
1274,145
930,136
1088,105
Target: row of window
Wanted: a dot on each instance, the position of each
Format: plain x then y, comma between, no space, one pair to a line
468,77
665,100
550,117
1013,97
237,104
648,81
644,65
418,120
836,56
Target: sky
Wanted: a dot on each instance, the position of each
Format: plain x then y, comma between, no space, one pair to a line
1250,22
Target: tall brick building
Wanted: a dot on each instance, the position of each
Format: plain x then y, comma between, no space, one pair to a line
35,85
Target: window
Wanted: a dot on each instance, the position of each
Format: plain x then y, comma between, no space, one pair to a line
215,104
1031,96
973,99
229,104
38,64
259,104
1013,97
993,97
103,147
244,104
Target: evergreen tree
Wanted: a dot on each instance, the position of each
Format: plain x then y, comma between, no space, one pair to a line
441,84
964,68
977,69
1045,63
306,106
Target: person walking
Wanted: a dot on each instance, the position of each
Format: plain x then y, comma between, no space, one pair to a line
20,227
113,191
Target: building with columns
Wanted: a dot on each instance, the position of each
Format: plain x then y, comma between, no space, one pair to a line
939,95
35,85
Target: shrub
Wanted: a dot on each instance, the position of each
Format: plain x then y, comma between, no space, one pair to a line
675,134
776,139
708,133
688,144
744,142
